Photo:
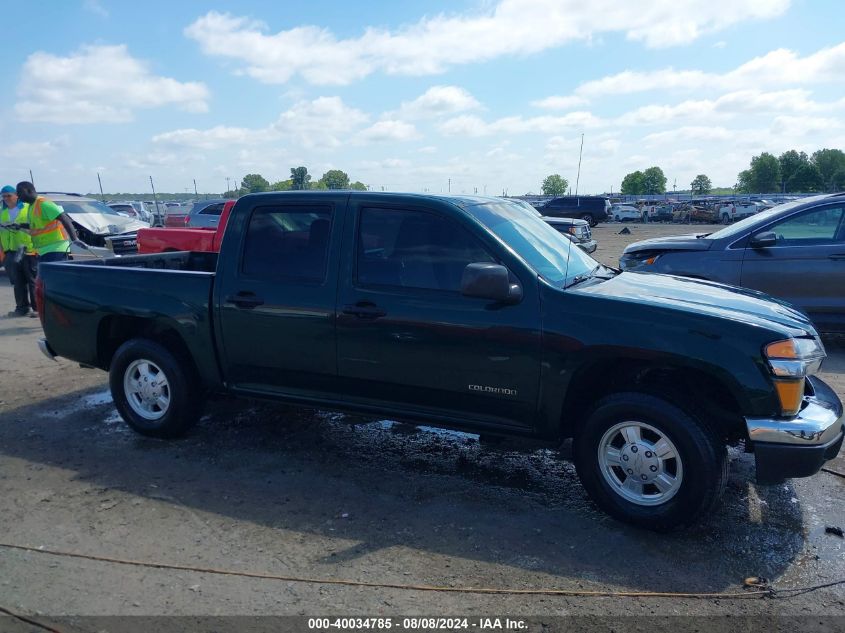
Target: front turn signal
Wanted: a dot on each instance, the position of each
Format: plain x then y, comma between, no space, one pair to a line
790,394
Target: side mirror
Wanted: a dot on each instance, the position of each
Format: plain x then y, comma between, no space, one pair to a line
490,281
763,240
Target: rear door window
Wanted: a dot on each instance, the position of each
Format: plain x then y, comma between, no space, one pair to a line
213,209
287,242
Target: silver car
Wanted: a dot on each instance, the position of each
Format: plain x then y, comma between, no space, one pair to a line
100,225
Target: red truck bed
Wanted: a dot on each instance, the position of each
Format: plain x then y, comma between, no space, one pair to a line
163,240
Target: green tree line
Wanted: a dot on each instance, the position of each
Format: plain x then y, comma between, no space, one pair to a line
794,172
299,180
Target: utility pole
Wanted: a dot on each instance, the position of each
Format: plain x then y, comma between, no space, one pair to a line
31,179
227,185
155,200
450,185
195,188
578,177
102,196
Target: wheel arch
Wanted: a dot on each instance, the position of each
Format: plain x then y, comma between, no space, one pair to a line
115,330
697,390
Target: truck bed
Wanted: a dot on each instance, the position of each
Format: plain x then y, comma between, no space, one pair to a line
202,262
99,298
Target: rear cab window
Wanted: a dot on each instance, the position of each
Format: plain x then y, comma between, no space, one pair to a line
287,242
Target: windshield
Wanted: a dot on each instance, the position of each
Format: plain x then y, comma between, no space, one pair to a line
552,255
738,227
88,206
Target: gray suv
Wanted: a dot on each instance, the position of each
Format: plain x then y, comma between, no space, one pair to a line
794,251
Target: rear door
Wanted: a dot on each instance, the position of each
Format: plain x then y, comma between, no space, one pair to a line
275,294
407,338
806,266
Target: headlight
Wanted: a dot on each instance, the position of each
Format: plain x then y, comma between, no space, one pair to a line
791,361
794,357
631,261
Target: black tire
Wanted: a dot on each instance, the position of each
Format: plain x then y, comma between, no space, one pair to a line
589,219
183,389
702,455
726,218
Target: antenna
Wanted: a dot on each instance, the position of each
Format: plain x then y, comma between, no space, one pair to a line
578,177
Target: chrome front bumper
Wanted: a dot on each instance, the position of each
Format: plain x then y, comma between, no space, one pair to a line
798,447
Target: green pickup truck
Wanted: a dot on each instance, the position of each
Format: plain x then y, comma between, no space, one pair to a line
466,313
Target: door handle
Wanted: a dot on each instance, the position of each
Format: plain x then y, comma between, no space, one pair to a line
837,256
245,300
364,310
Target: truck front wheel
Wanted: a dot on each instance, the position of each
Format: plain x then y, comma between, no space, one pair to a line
645,461
156,393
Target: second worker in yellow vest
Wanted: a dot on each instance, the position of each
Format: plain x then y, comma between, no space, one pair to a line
50,228
19,257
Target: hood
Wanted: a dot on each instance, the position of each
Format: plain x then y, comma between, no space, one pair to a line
704,298
689,242
102,224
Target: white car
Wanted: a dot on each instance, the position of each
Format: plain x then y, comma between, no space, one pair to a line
624,212
733,210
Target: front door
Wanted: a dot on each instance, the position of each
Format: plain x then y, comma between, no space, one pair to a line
806,266
408,338
276,300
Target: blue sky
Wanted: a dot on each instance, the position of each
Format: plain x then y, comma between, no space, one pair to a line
493,95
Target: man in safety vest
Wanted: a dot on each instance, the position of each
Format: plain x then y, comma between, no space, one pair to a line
19,257
49,227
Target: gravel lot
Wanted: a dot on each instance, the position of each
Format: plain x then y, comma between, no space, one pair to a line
314,494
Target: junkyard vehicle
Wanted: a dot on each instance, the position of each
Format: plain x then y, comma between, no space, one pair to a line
203,214
165,240
465,313
700,211
578,230
99,225
625,213
733,210
794,251
591,209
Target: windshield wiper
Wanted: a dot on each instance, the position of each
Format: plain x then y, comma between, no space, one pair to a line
577,279
701,236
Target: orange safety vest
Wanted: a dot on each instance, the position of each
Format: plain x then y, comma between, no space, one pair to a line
53,233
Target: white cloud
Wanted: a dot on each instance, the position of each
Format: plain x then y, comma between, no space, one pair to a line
776,68
95,7
218,137
98,84
389,130
324,122
439,101
471,125
726,107
433,44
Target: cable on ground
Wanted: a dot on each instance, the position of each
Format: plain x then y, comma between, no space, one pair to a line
756,590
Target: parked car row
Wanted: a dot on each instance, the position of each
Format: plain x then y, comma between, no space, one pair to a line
702,210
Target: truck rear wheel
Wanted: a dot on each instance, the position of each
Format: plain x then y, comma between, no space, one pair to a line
156,393
645,461
589,219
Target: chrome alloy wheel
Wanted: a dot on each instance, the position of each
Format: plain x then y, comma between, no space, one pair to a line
640,463
146,389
